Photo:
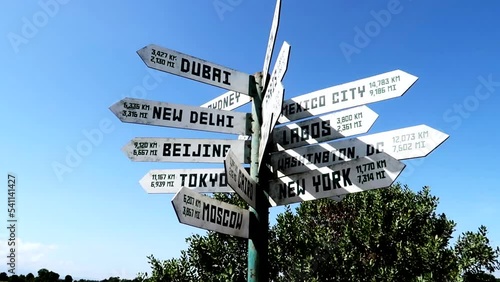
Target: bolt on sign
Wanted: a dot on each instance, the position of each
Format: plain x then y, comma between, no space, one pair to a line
207,213
360,92
184,150
170,181
239,179
187,66
181,116
333,126
367,173
405,143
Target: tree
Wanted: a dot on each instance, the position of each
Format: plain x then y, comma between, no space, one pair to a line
68,278
391,234
4,276
30,277
45,275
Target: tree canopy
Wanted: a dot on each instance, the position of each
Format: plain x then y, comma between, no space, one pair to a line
391,234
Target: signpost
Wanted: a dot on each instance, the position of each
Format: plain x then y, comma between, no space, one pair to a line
228,101
180,116
187,66
184,150
325,128
169,181
360,92
204,212
239,179
406,143
366,173
271,42
273,98
312,164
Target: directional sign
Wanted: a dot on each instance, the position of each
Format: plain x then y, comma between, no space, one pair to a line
325,128
406,143
272,40
239,179
273,98
228,101
368,90
181,116
374,172
187,66
179,150
207,213
169,181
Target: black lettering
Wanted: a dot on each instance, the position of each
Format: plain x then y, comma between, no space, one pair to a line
192,180
183,178
219,215
206,147
225,221
336,179
327,184
294,135
239,221
291,189
213,213
326,128
193,117
205,212
226,77
196,69
206,72
216,75
232,219
166,149
184,65
345,176
177,150
316,182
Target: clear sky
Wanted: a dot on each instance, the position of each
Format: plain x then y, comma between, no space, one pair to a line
64,63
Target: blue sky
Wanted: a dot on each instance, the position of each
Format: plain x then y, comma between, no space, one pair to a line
64,63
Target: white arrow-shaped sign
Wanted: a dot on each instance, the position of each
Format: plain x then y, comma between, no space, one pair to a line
181,116
333,126
169,181
228,101
406,143
204,212
360,92
239,179
374,172
273,98
184,150
187,66
271,41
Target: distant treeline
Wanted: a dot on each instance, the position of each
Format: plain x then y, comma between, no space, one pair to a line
45,275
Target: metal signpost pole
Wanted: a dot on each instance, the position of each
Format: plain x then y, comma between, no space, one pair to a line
258,240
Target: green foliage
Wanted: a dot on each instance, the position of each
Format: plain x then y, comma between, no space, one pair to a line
391,234
475,253
214,257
